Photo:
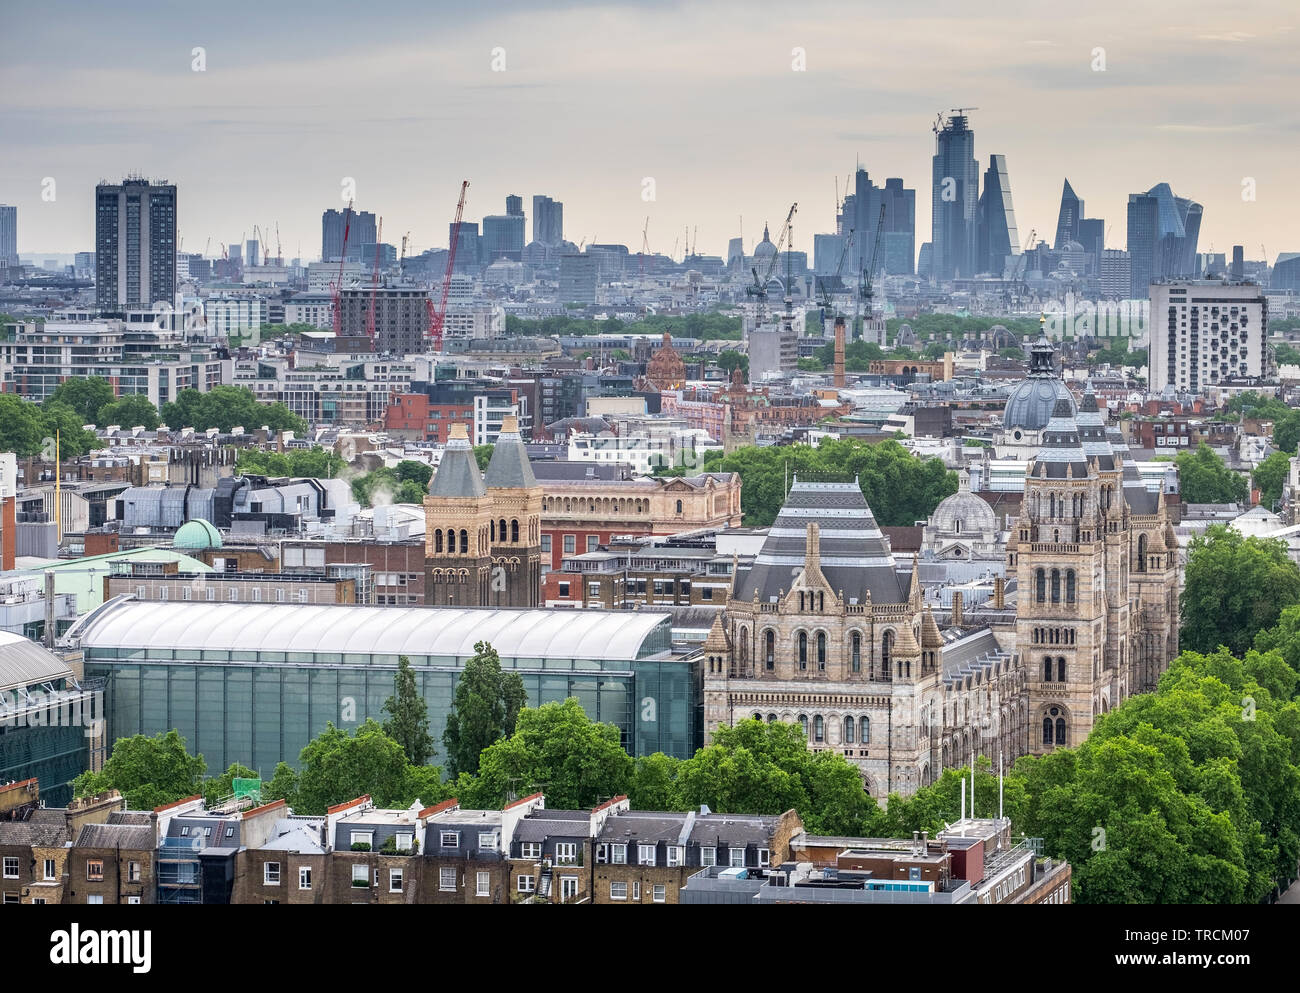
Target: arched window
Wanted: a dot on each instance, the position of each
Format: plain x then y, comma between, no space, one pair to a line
769,648
821,601
771,718
856,651
679,506
956,526
848,730
801,604
758,717
803,649
1060,670
1041,579
1047,730
1142,553
437,540
865,736
514,530
1069,586
1056,586
886,652
1051,505
464,542
493,530
1060,730
819,728
803,723
821,651
1047,669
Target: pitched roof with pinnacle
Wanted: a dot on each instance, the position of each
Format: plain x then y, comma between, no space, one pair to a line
1092,432
509,467
930,634
854,555
1061,446
457,474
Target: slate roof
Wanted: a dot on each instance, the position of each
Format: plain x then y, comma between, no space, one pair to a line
457,474
855,556
553,824
27,834
133,837
1061,446
509,467
1092,433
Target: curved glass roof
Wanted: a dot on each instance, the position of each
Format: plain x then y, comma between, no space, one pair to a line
329,629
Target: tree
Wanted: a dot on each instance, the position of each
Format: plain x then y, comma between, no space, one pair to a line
22,426
1204,478
654,783
729,360
283,786
557,749
227,407
408,723
65,424
87,396
384,487
418,473
148,771
133,410
1234,587
218,788
485,709
310,463
483,455
337,767
1286,431
1271,475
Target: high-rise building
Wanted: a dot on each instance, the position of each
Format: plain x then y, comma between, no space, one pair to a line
1116,274
1238,261
577,279
861,212
1092,236
361,230
1204,331
467,245
503,237
135,244
827,249
83,266
1067,220
8,234
999,241
515,206
954,200
1162,234
401,315
548,221
735,252
898,243
250,250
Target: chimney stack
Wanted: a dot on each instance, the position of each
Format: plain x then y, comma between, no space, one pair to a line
839,352
813,550
999,592
956,609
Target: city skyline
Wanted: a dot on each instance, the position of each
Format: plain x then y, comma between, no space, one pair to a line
1166,101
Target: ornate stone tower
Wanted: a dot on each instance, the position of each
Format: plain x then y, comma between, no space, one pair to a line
515,527
457,529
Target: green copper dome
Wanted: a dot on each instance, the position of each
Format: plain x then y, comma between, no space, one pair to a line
197,533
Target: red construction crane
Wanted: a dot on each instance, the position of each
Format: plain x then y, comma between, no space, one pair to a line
374,286
336,287
438,314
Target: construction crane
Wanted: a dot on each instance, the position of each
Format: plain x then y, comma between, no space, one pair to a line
866,280
207,246
645,247
257,235
759,289
401,262
279,248
438,315
374,286
839,269
336,287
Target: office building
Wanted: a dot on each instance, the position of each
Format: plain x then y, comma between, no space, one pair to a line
954,200
466,239
1286,272
999,241
135,244
361,230
1068,218
578,279
251,251
1092,236
8,234
84,265
1116,274
1162,234
1238,261
514,206
898,243
503,238
1206,331
401,316
548,221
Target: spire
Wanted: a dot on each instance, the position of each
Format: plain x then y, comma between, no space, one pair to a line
457,474
930,636
914,593
509,467
905,646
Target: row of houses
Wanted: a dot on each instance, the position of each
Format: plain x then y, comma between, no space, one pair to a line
95,851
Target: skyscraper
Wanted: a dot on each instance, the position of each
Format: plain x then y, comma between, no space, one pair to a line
514,206
8,234
361,230
1067,221
135,244
998,239
1092,236
898,244
503,237
250,250
954,200
861,212
548,221
1162,233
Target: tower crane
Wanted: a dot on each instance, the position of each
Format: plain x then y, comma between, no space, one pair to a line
336,287
438,315
866,280
645,247
759,289
279,248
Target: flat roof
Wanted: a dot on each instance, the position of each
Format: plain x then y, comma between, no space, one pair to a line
366,630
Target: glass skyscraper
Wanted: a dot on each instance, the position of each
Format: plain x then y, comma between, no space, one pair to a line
1162,233
998,238
954,200
1069,218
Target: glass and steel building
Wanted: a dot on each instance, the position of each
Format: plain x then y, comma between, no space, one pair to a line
254,683
999,241
1068,218
1162,233
954,200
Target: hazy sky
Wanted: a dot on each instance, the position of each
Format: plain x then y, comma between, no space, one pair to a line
401,95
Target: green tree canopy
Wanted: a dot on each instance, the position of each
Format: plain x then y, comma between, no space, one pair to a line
308,463
729,360
227,407
408,720
148,771
1234,587
485,709
1204,478
337,766
86,396
385,486
133,410
1271,476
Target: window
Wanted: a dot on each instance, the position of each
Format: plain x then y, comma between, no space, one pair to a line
133,872
447,878
525,884
304,877
764,858
530,850
360,874
41,899
207,831
271,874
1060,670
403,840
487,841
769,639
708,856
1060,730
848,730
546,544
618,854
803,649
618,891
482,884
570,544
674,855
593,542
865,737
449,839
566,852
645,854
95,898
568,888
886,652
185,831
363,837
1069,586
856,650
660,893
1056,586
11,867
636,890
736,856
49,869
94,869
821,651
1040,580
1047,730
395,880
1047,669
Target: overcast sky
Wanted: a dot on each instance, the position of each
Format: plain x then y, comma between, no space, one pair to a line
402,96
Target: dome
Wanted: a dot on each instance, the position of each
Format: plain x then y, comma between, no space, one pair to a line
197,533
1031,402
964,512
